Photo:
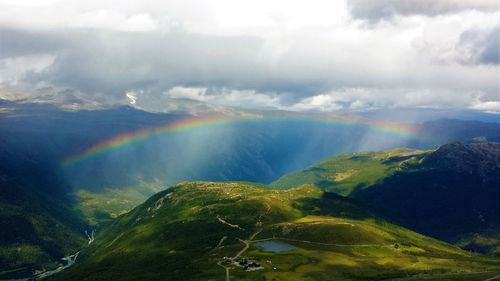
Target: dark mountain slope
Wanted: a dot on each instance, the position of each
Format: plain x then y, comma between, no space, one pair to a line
35,231
37,224
452,193
482,159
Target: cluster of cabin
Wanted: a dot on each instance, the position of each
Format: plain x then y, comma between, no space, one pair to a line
245,263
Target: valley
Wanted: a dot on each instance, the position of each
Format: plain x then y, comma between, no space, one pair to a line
378,215
180,231
345,140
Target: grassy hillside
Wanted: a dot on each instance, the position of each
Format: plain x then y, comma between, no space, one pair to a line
99,208
37,224
349,172
450,193
35,232
185,232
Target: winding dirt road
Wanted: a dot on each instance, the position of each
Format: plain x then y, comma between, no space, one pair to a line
493,278
247,243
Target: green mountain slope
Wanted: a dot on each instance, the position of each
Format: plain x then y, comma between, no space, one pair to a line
185,232
101,208
35,231
37,224
347,173
451,193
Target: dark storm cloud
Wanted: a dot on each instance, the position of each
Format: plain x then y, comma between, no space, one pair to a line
386,9
491,51
482,46
113,62
18,43
107,64
281,55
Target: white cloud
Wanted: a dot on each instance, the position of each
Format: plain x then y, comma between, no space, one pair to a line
225,96
375,98
106,19
386,9
318,103
488,106
193,93
27,3
14,69
264,54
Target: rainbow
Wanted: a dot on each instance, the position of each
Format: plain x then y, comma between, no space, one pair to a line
193,123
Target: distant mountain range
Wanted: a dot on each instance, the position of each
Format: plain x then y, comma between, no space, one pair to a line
253,152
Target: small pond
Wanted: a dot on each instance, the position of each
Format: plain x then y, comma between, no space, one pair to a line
274,246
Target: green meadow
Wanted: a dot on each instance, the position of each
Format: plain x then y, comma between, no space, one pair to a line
184,232
347,173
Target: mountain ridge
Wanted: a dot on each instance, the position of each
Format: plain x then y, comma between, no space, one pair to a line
205,230
446,193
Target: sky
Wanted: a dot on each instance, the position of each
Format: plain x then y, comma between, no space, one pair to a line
317,55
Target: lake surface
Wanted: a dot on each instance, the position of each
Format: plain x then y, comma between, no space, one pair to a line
274,246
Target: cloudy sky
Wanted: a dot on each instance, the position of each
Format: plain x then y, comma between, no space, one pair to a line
318,55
